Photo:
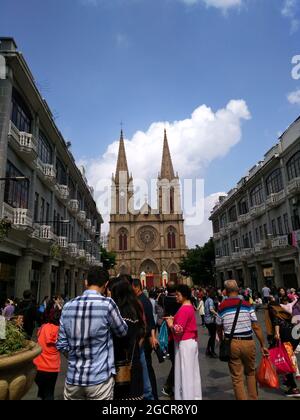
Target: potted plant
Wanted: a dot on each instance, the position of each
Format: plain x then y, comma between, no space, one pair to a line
55,251
17,371
5,227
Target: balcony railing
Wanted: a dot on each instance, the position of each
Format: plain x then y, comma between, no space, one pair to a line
257,211
81,253
217,236
236,256
47,171
24,144
62,241
293,186
248,252
44,232
274,200
73,206
244,219
223,261
81,216
73,251
63,192
88,224
22,218
232,226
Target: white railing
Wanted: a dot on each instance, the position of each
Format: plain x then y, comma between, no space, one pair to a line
93,231
235,256
81,216
22,217
62,241
63,192
88,258
275,199
25,140
280,242
45,232
74,206
293,186
81,253
258,210
248,252
73,249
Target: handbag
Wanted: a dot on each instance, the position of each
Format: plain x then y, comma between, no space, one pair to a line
225,345
123,370
280,359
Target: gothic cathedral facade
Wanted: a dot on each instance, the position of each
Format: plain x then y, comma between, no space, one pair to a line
147,241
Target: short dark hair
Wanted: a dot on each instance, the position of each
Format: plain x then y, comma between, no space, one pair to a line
185,291
97,277
137,283
27,294
171,286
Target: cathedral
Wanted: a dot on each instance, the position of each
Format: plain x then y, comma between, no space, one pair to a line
148,243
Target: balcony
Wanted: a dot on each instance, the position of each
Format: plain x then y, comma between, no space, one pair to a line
81,216
293,187
81,253
247,253
73,206
88,258
63,192
274,200
280,242
20,218
72,248
217,236
44,233
88,224
258,211
62,241
236,256
47,172
24,144
223,261
93,231
232,227
244,219
262,246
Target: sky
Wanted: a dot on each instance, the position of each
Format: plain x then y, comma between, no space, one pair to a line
218,74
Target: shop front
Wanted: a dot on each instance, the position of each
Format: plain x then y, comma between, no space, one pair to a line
7,276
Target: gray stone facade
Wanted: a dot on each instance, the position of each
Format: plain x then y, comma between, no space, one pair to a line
55,222
257,225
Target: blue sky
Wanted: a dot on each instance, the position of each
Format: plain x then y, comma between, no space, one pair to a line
98,62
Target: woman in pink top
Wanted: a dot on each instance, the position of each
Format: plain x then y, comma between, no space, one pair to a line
184,328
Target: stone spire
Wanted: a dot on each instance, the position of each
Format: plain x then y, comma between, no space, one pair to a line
122,161
167,171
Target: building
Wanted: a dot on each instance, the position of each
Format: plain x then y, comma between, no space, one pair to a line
148,242
55,224
257,226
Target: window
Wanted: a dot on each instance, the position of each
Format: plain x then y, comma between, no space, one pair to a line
47,213
36,207
216,226
256,235
123,240
256,196
232,214
235,245
72,189
20,114
42,212
44,149
279,223
266,231
286,223
171,238
274,182
261,233
274,230
16,193
223,220
243,206
293,167
61,174
250,240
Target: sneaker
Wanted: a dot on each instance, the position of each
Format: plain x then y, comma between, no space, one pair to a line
293,393
166,392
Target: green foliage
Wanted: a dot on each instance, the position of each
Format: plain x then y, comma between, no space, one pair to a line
82,260
199,264
55,251
5,227
107,258
14,342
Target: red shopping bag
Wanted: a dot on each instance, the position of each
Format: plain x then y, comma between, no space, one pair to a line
266,374
280,360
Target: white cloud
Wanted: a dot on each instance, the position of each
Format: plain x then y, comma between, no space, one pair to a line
294,97
122,40
290,10
194,143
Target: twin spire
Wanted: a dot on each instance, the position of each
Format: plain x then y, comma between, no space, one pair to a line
166,172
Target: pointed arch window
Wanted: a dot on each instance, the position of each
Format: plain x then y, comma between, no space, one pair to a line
171,238
123,245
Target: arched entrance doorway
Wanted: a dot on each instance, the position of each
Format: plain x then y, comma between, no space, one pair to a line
173,271
152,274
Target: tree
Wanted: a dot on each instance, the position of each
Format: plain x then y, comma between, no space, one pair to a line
108,258
199,264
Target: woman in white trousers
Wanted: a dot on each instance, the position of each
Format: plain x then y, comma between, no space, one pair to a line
184,328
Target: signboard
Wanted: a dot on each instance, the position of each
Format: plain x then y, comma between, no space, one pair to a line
268,272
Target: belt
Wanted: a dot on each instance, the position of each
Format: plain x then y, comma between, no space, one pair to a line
242,338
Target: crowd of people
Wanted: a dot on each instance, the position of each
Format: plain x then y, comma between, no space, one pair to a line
109,334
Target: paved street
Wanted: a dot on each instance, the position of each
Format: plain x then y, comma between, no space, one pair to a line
216,381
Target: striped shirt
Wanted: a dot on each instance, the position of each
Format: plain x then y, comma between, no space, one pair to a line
86,328
226,315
